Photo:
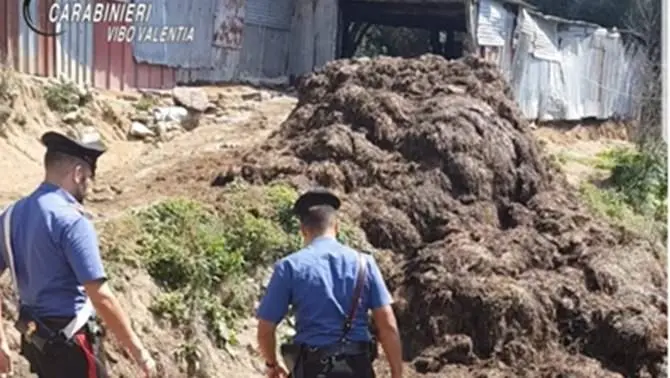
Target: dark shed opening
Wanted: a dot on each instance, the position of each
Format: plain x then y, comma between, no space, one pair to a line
444,22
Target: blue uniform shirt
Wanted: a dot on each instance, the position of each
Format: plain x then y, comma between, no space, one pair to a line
55,252
319,281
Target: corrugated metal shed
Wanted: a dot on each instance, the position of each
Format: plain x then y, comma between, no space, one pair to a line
264,53
314,35
82,54
196,54
586,72
229,24
492,23
21,48
495,33
74,49
115,68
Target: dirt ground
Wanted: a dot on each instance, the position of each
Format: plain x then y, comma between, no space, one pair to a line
135,174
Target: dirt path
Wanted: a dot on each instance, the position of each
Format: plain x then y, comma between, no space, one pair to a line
140,180
129,166
577,148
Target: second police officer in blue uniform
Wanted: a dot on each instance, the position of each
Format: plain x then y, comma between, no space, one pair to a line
51,250
331,288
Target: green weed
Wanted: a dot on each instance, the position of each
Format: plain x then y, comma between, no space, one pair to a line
64,96
635,193
145,103
204,257
209,261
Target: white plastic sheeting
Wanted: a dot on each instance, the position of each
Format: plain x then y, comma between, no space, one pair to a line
564,70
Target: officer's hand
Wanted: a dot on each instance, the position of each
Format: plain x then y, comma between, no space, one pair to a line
149,368
5,359
147,364
276,372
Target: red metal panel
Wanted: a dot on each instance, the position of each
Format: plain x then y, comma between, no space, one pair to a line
12,30
100,56
143,73
169,78
128,73
46,47
4,39
156,77
115,67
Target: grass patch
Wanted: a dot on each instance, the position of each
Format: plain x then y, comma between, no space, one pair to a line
635,194
64,96
145,103
641,176
565,157
7,84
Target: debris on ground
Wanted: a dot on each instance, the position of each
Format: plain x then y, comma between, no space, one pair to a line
194,99
502,271
170,113
140,131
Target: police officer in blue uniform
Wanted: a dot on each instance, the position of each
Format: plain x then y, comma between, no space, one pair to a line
51,250
331,287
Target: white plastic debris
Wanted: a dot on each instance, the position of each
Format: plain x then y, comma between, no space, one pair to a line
170,113
139,130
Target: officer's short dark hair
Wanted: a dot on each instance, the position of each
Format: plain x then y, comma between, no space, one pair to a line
318,218
56,158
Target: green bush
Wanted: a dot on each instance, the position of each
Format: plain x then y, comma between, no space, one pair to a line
64,96
636,190
209,261
641,177
203,257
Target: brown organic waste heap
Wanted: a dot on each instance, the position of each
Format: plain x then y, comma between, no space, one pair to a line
500,271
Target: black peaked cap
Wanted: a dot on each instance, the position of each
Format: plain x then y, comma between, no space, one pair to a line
89,151
315,197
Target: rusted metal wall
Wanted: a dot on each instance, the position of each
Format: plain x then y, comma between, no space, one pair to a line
81,54
265,44
229,24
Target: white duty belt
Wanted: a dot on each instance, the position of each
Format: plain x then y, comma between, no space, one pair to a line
85,312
